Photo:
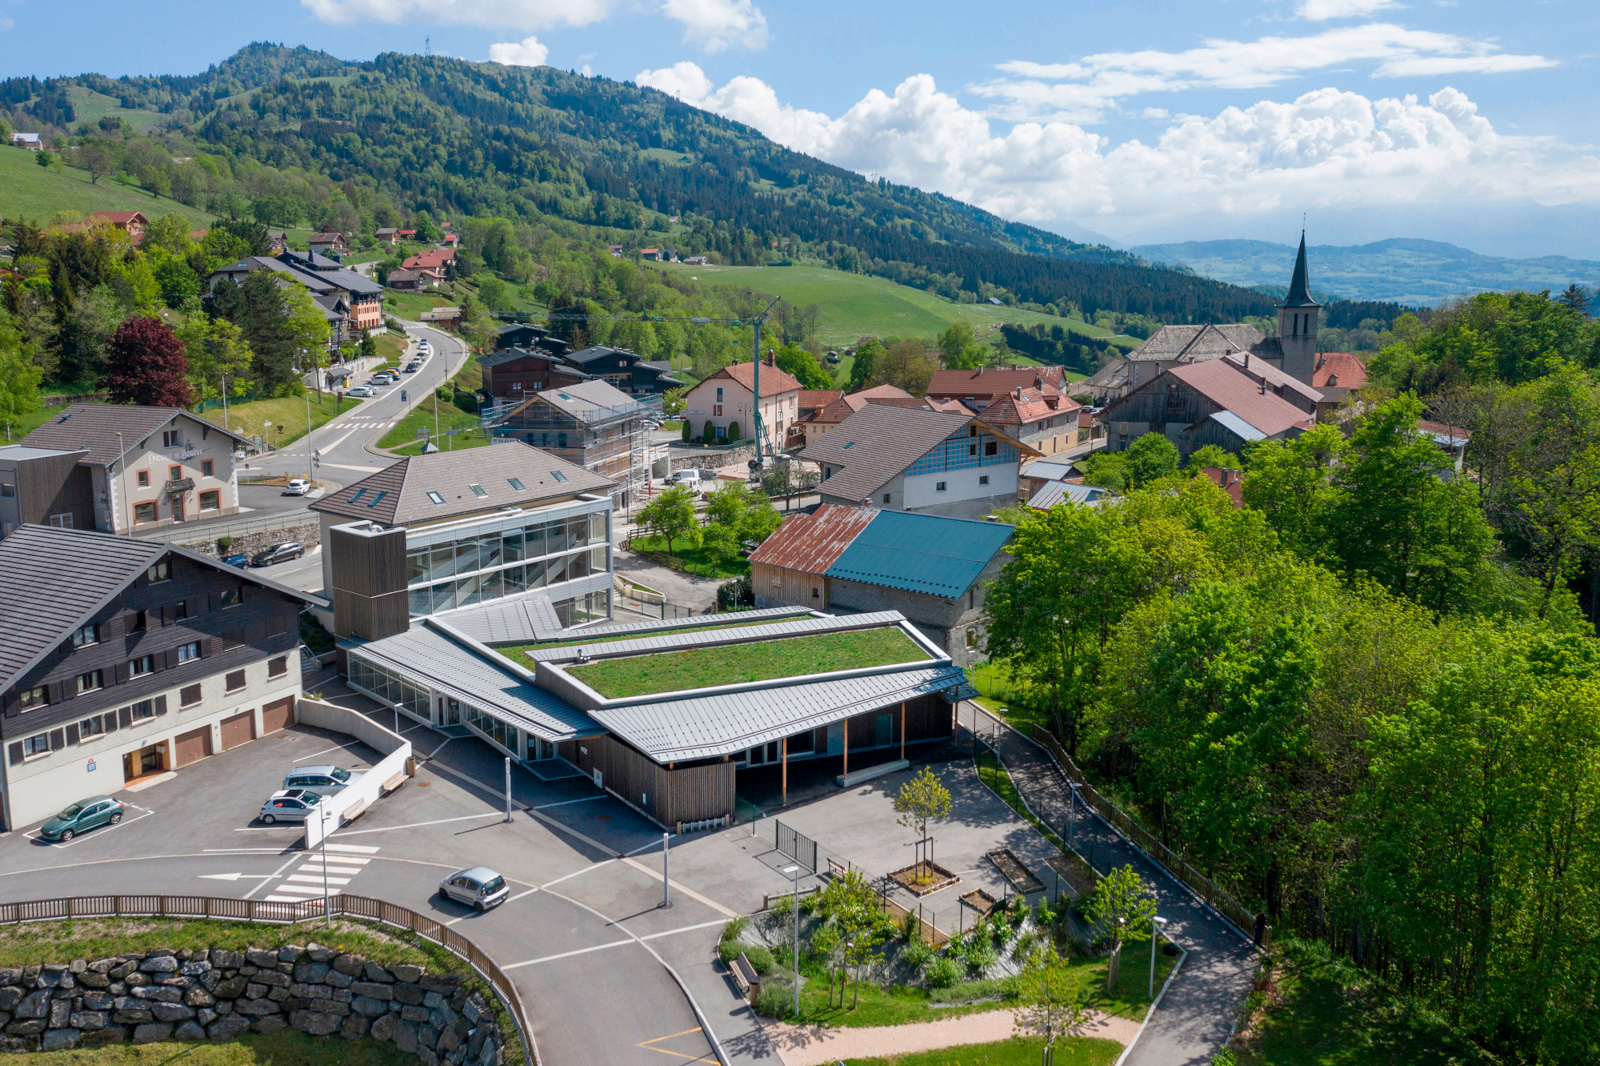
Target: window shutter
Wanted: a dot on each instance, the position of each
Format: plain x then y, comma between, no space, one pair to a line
166,614
57,740
15,752
112,628
170,657
57,691
211,601
125,717
209,646
121,670
72,734
161,705
111,718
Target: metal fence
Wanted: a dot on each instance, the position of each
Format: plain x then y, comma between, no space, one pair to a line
192,533
799,847
251,910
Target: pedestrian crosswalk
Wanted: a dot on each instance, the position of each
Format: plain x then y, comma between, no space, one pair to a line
334,867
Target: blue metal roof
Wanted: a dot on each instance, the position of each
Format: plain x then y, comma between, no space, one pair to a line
921,553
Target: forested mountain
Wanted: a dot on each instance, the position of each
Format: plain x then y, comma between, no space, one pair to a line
472,139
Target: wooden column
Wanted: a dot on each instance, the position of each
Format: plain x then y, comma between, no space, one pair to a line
902,729
847,746
785,751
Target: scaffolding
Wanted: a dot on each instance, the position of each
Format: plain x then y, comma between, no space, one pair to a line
613,441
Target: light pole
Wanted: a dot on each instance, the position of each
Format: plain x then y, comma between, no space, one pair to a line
311,473
322,816
122,463
666,899
1157,923
794,873
1072,813
508,788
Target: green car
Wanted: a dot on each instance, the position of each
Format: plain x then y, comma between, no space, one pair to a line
90,813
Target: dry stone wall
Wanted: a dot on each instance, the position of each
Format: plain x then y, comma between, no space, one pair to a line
220,994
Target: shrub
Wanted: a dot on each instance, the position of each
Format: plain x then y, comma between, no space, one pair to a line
967,991
709,434
729,950
910,927
466,401
760,958
943,972
981,956
733,431
223,544
775,1000
918,952
688,431
734,928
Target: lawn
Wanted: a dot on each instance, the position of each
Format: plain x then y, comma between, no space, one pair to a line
30,191
1009,698
403,437
858,305
250,419
819,653
253,1049
690,557
1018,1051
390,347
1324,1012
410,305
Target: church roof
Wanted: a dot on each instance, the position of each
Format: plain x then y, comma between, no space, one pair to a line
1299,291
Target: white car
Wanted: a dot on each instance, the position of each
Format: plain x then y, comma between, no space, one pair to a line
298,486
690,478
363,391
478,887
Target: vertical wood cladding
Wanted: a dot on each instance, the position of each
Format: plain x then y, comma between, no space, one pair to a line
265,622
779,586
50,485
683,794
369,582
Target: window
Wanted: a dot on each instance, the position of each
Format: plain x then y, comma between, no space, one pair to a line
36,745
91,727
33,697
939,487
211,500
139,622
207,468
815,594
170,439
162,571
142,710
143,478
478,491
972,449
716,410
230,597
983,479
8,491
972,639
89,634
235,680
189,696
362,492
91,681
174,473
189,652
972,431
61,521
435,498
991,447
180,610
719,394
886,497
144,664
278,667
516,483
145,512
559,476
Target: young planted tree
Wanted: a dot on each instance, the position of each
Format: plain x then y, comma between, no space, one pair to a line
1122,906
921,800
217,352
851,904
1049,1003
671,515
146,364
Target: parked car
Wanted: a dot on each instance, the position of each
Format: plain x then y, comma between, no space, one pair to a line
241,561
289,805
278,553
684,477
297,486
86,814
477,886
323,780
363,391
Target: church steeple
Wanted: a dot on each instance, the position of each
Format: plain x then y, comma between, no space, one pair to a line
1299,290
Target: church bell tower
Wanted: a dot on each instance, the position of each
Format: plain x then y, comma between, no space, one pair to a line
1297,322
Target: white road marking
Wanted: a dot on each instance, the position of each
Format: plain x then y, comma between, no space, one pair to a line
324,751
351,847
292,860
685,890
33,834
309,890
229,877
351,870
317,878
563,803
577,873
519,895
683,929
418,825
568,954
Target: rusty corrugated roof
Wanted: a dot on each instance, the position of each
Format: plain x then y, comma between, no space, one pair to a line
811,543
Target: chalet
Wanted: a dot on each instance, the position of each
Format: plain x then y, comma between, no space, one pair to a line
980,388
30,141
652,254
726,401
387,235
434,259
322,277
1041,418
446,317
696,260
329,243
133,223
511,375
413,280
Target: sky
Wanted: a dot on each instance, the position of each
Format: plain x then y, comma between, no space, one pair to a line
1458,120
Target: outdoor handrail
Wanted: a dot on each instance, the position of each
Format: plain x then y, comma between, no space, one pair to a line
252,910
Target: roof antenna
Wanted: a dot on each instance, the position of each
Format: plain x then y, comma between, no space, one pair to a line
427,46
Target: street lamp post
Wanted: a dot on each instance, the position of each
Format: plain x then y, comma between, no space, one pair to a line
794,873
1157,923
311,472
666,898
1072,813
322,816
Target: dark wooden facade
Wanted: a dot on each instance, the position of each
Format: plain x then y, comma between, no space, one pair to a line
37,490
370,598
525,373
687,792
144,619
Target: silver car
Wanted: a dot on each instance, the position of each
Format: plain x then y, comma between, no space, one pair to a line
478,887
289,805
323,780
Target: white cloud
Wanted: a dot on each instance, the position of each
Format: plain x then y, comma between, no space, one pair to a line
719,24
1084,90
1325,149
516,14
528,52
1318,10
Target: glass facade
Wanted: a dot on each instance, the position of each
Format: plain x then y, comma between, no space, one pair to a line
506,736
477,567
390,687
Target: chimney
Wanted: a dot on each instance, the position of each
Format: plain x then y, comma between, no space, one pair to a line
771,357
1247,360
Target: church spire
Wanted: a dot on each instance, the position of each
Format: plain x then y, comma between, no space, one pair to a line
1299,291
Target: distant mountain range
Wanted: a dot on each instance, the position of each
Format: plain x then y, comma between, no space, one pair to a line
1415,272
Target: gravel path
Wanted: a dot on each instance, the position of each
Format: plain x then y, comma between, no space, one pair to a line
815,1045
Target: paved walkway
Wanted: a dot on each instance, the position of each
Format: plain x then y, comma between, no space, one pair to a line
1198,1013
815,1045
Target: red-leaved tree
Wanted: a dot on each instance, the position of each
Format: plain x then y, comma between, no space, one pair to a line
145,364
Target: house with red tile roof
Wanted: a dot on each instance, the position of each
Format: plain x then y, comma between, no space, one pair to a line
1044,419
133,223
979,388
727,398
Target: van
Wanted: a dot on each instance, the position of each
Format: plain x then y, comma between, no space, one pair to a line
685,477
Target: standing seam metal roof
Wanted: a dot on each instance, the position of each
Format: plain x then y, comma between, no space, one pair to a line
921,553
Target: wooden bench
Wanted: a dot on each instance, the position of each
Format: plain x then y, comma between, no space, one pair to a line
745,976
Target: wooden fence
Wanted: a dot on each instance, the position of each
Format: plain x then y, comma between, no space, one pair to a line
1202,886
252,910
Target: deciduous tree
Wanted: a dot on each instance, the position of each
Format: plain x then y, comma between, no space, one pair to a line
146,364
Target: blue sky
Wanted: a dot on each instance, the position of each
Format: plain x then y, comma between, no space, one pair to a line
1461,120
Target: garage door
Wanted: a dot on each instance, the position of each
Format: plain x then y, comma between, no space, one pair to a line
238,730
193,745
274,716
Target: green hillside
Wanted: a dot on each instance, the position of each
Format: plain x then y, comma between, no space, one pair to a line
30,191
860,305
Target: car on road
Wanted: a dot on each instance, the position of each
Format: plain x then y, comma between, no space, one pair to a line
689,478
278,553
297,486
289,805
86,814
241,561
362,391
476,886
323,780
412,368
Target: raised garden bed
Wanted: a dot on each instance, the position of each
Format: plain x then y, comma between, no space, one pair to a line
1021,878
980,901
1074,872
924,878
